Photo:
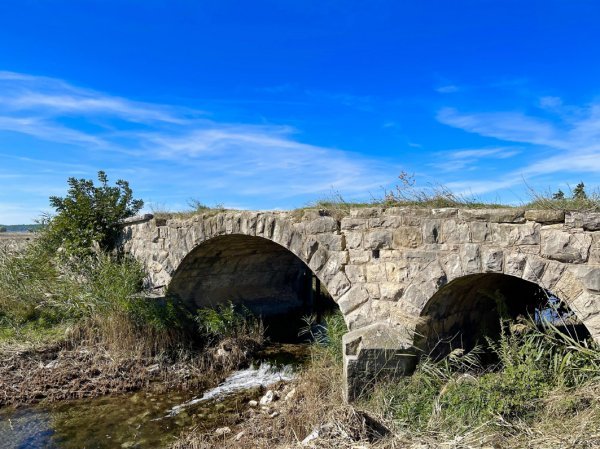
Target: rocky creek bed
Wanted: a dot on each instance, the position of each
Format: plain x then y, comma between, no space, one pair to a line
84,399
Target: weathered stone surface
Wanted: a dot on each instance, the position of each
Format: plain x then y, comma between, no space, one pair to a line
322,224
545,216
564,246
350,224
407,237
353,298
588,221
591,280
493,215
493,260
379,239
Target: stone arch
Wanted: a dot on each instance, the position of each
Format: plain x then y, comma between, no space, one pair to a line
213,243
574,284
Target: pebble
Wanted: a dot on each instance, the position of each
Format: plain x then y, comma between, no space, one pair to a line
252,403
290,394
267,398
222,431
239,436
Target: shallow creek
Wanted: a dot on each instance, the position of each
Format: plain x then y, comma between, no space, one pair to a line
143,419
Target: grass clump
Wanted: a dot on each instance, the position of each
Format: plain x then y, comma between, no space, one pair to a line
577,200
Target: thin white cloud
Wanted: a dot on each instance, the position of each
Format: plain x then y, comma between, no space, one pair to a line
507,126
48,96
567,144
180,150
467,159
447,89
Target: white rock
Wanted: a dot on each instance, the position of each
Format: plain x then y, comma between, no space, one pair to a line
267,398
290,394
252,403
222,431
239,436
310,437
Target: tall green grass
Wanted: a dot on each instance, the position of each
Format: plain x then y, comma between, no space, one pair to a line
99,294
456,394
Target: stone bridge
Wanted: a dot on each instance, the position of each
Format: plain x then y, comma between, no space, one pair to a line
405,279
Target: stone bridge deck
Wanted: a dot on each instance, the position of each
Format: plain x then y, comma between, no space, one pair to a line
388,269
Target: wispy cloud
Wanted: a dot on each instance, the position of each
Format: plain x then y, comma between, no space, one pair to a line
563,143
467,159
180,149
447,89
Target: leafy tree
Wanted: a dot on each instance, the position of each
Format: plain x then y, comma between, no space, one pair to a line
579,192
559,195
89,214
3,229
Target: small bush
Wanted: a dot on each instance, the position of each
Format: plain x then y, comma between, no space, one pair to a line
89,214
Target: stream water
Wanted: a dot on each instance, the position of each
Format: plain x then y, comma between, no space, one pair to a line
143,419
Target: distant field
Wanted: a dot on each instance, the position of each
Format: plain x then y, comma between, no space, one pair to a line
20,227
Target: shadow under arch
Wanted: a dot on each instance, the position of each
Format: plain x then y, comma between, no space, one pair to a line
263,276
470,308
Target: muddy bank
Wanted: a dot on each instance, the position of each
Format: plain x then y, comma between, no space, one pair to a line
65,372
56,374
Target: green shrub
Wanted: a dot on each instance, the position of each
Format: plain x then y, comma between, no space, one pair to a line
89,214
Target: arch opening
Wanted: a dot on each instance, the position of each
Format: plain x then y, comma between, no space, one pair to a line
258,274
470,309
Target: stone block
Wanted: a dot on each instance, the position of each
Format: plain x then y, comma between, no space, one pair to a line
480,231
568,287
321,225
396,271
356,273
444,212
526,234
552,274
385,222
331,242
318,260
493,215
514,264
451,265
391,291
534,269
564,246
470,258
492,260
431,231
352,224
367,212
359,256
353,298
455,232
378,239
376,272
353,239
338,285
545,216
407,237
588,221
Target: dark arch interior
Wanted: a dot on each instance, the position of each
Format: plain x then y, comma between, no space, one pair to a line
469,309
266,278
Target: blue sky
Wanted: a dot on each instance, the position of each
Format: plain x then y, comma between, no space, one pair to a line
273,104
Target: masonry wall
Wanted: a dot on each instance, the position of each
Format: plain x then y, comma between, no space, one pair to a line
382,265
